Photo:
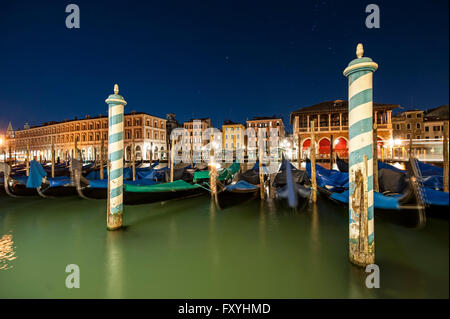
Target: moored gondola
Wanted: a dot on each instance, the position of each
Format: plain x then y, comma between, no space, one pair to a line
396,193
146,194
291,185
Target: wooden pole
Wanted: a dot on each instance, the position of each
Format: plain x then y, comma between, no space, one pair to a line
261,175
75,151
10,156
102,151
313,163
151,154
53,160
95,156
445,154
410,153
212,172
133,158
27,160
331,151
365,209
171,162
299,152
376,187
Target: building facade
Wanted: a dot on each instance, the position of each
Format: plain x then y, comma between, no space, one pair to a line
422,131
408,124
331,126
147,132
264,130
233,136
193,134
171,124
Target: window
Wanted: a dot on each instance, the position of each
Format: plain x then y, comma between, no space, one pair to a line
418,137
409,116
427,128
398,126
419,115
408,136
408,127
418,125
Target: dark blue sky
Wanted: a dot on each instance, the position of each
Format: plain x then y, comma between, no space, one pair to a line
224,59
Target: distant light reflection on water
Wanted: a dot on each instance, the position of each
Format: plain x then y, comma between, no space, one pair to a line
7,252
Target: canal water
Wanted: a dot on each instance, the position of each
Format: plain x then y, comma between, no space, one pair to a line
189,249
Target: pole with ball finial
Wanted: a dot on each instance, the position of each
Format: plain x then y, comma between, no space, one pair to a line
360,107
114,212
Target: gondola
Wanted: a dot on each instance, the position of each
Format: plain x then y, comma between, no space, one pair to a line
430,180
146,194
245,188
341,164
291,185
395,190
92,187
237,193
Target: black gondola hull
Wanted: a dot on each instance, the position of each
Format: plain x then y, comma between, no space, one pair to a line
59,191
95,193
138,198
231,198
22,190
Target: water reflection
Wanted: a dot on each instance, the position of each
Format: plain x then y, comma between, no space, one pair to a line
212,233
173,232
114,264
262,225
7,252
315,239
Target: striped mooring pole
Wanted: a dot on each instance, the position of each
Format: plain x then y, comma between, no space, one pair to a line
114,212
360,107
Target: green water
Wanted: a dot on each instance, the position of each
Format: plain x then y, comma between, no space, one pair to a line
187,249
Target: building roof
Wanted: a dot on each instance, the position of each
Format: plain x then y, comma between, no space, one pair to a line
263,118
87,118
440,112
229,122
335,106
199,119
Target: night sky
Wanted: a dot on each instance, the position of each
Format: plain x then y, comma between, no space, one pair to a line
223,59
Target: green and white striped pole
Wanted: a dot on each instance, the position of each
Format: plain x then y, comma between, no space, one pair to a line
360,107
116,105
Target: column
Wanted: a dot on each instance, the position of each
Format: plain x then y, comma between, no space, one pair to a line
116,105
361,225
